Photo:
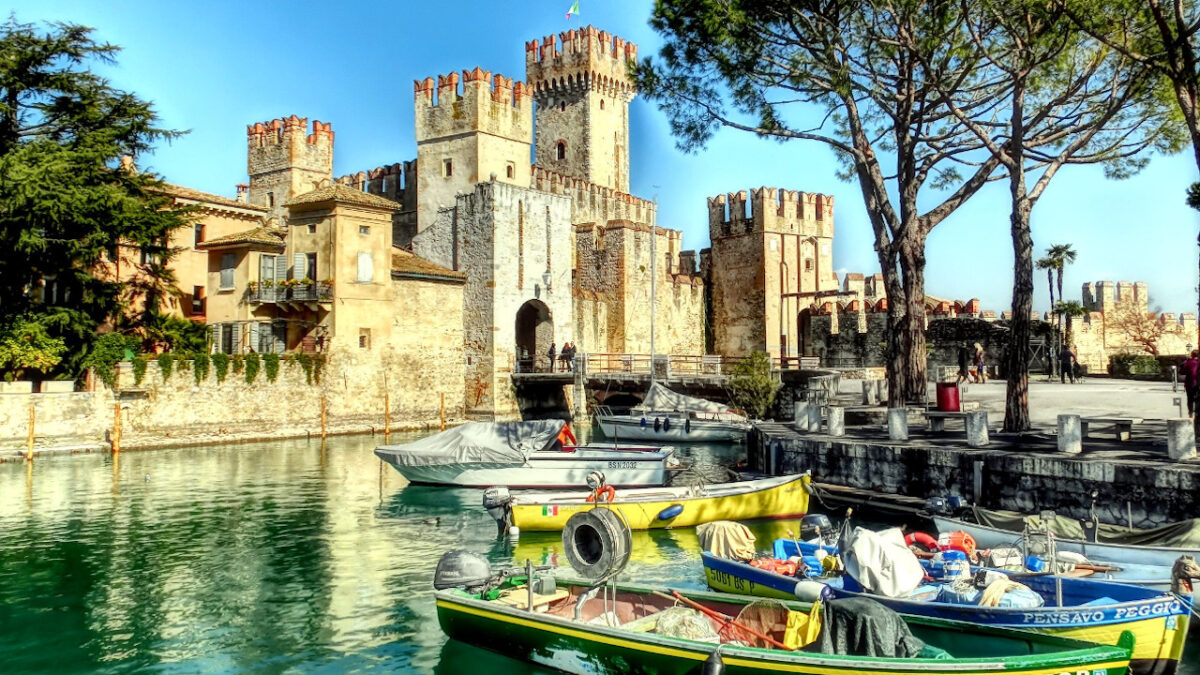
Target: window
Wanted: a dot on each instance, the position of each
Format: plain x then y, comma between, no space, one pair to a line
266,268
561,149
312,228
227,337
366,268
198,234
145,258
447,168
228,264
364,230
197,300
510,170
808,264
271,199
562,107
364,338
602,104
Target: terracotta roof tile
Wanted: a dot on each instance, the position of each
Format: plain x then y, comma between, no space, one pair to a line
197,195
405,263
259,236
342,193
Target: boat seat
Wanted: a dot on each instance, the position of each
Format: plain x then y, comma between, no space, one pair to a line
518,597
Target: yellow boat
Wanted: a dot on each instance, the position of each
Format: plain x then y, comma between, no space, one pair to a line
650,508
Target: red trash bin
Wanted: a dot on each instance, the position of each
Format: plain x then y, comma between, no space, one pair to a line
947,397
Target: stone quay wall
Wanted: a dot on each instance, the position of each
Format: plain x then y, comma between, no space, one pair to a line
180,411
1154,492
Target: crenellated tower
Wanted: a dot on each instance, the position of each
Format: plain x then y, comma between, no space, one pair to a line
284,160
583,90
469,136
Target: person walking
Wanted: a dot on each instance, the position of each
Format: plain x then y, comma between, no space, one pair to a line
1066,364
1190,370
553,351
980,367
964,363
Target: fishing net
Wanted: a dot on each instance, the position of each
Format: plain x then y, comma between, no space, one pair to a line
686,623
765,617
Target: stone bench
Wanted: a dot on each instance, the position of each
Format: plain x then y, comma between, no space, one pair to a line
1122,426
937,419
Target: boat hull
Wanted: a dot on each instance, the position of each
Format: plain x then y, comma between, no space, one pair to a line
1159,622
1146,558
628,427
575,647
783,497
621,468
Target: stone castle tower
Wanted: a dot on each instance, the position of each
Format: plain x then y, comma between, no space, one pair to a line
285,160
467,137
771,257
583,93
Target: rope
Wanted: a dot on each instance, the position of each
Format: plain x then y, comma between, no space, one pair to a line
995,591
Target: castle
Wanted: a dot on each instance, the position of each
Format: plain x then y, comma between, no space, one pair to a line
1119,321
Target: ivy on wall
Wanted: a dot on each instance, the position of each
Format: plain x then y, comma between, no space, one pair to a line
200,364
271,366
165,361
139,369
220,364
252,365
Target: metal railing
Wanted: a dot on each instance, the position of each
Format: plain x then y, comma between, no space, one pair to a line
314,292
684,364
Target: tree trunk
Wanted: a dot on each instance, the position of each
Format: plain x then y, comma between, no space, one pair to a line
895,316
1016,408
912,264
1054,355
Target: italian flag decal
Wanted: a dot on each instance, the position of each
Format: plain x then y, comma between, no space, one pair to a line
548,510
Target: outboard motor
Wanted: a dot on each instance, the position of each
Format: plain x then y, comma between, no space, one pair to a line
497,501
462,569
937,505
816,525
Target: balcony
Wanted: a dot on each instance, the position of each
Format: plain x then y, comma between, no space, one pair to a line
309,295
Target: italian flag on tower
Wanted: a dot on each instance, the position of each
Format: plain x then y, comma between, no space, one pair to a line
573,10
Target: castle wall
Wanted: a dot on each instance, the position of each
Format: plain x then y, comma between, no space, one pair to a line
284,160
1097,338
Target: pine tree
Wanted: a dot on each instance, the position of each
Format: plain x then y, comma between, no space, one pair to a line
67,203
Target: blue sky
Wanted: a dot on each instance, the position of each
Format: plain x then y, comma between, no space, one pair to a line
212,68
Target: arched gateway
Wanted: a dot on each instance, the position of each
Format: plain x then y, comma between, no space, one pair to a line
535,334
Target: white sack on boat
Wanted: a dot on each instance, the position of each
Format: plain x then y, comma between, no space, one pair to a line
882,562
495,443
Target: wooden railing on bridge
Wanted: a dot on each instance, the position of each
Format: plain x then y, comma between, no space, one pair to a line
666,365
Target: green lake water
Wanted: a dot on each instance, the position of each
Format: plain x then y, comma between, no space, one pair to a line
270,557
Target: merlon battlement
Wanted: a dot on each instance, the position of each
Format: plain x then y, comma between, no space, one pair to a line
592,203
475,85
588,56
770,210
276,131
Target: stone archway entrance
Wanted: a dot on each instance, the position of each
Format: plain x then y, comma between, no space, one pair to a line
535,334
803,333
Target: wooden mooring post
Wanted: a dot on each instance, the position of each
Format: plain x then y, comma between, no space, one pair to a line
29,439
387,415
443,413
116,434
322,417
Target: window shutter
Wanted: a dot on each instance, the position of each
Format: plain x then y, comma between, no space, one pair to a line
254,337
280,269
280,332
214,335
266,268
366,267
299,263
228,263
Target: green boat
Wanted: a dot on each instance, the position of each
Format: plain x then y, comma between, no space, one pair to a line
579,627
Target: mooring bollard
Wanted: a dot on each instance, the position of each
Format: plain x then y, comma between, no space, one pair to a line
837,421
897,423
1181,439
814,417
881,391
977,428
1070,434
869,393
387,415
800,416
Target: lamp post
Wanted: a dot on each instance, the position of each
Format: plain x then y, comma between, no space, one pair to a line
546,278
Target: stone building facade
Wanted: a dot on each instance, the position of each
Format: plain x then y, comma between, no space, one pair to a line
1100,334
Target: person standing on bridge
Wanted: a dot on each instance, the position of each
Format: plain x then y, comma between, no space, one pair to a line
551,354
564,355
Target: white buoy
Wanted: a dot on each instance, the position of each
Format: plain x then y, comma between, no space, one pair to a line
514,532
810,591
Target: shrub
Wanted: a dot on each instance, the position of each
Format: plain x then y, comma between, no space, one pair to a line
252,365
271,366
200,364
313,365
107,351
1126,365
220,364
165,361
139,369
751,386
238,362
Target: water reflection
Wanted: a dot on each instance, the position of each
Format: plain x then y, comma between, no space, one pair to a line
265,557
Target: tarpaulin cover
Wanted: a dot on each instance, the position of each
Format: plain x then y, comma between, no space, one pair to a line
491,443
881,562
662,399
863,627
1183,534
727,539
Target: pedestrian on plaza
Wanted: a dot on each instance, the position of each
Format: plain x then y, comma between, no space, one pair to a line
551,354
1190,370
980,367
1066,364
964,363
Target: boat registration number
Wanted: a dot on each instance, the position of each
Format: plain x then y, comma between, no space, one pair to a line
719,579
622,465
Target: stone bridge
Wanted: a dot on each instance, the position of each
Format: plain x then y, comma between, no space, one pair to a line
621,380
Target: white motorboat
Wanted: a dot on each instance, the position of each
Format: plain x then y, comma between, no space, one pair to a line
668,416
534,454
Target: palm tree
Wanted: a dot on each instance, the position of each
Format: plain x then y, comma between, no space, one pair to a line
1049,265
1062,255
1070,309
